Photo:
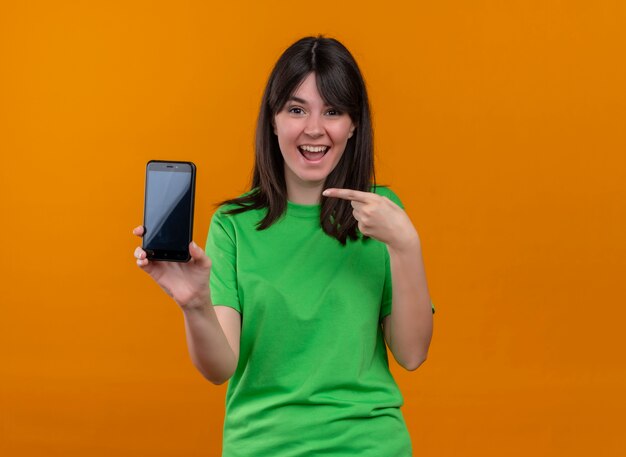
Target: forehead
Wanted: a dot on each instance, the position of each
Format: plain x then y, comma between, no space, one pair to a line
307,91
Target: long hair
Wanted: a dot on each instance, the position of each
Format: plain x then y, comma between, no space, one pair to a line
341,85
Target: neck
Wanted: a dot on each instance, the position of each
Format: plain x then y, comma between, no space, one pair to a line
305,193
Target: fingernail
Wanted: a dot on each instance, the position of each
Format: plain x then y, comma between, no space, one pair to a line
325,193
193,243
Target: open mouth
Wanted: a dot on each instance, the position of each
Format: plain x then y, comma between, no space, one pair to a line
313,153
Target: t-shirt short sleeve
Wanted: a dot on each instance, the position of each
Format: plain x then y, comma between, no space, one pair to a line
221,248
385,307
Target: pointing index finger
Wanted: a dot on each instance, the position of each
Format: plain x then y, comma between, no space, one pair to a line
347,194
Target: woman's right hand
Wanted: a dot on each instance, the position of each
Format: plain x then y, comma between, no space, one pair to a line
187,283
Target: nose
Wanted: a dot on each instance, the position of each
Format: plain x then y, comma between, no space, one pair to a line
314,127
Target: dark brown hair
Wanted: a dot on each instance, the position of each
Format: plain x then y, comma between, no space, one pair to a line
341,85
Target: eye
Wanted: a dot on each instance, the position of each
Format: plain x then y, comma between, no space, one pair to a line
296,110
333,112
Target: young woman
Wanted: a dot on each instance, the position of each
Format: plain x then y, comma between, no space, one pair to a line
294,303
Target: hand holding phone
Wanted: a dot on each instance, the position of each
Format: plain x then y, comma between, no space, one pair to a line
187,283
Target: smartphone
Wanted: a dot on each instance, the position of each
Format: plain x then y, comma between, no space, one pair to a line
168,210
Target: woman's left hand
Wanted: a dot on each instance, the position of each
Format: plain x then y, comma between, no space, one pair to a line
379,217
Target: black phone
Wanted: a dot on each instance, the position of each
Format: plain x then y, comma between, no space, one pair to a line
168,210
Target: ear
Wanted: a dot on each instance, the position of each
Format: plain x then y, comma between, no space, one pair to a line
274,125
352,127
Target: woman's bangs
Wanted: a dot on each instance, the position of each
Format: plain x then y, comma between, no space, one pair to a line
334,90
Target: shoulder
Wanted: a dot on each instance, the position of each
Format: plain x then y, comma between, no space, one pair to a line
231,204
237,210
385,191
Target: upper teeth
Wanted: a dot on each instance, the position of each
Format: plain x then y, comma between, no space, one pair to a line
314,148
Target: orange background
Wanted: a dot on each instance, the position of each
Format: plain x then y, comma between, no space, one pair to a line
500,124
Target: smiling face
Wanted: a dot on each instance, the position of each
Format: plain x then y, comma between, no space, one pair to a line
312,137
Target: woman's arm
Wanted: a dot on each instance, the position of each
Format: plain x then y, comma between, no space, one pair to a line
212,332
408,329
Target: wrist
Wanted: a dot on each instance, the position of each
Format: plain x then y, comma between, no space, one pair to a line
409,243
196,305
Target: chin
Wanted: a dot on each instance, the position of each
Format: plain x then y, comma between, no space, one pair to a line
313,181
314,177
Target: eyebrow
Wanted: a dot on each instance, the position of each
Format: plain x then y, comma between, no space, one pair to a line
297,99
303,101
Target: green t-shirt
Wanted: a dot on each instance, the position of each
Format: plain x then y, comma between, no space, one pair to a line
313,376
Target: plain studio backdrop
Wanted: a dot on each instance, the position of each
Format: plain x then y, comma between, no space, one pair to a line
501,125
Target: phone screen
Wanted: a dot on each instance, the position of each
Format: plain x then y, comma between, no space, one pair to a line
168,213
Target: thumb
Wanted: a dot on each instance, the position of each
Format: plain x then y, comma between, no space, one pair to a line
198,255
